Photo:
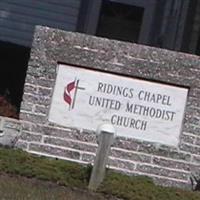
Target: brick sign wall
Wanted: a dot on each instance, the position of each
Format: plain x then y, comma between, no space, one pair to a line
167,162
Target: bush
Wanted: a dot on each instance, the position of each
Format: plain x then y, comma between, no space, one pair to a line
17,162
142,188
7,109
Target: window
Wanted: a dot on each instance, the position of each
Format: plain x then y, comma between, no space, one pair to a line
120,21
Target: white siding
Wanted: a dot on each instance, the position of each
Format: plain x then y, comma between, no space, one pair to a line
19,17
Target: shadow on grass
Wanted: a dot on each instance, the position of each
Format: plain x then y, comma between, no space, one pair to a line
19,188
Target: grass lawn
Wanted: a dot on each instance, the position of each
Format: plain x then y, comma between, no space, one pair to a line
27,177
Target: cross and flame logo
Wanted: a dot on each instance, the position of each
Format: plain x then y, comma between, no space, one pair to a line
70,88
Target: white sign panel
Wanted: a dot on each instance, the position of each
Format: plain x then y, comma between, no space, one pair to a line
138,109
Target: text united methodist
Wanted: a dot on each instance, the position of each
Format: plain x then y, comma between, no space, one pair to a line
137,110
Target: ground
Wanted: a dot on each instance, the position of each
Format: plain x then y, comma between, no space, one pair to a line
21,188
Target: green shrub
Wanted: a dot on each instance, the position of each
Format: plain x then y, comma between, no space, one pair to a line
70,174
64,173
142,188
